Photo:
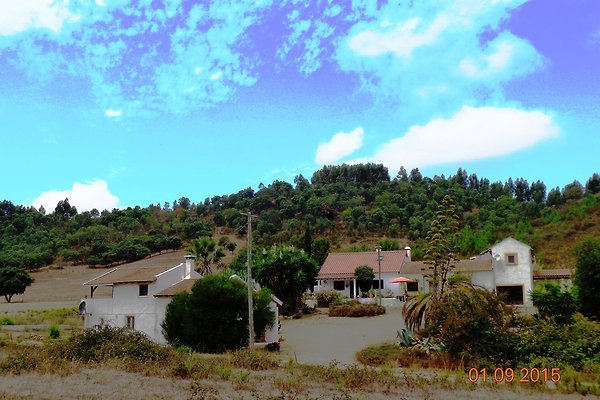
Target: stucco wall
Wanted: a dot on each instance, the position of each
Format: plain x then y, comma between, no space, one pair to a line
519,274
397,289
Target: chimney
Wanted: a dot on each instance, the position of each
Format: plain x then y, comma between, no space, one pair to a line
190,262
408,253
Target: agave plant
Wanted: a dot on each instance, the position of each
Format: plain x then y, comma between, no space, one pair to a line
405,338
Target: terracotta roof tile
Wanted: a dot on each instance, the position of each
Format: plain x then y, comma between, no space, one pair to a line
342,265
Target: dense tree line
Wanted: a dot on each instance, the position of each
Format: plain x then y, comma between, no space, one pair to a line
336,204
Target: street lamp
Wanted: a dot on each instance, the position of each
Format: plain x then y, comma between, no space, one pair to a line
379,258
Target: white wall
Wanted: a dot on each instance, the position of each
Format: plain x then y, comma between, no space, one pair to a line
519,274
396,288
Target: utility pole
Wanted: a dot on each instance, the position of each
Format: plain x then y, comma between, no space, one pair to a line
379,257
249,283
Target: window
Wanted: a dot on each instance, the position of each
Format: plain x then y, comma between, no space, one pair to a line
130,322
412,286
511,259
511,294
339,285
376,284
143,290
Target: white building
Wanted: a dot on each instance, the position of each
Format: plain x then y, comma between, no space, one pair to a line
140,297
507,268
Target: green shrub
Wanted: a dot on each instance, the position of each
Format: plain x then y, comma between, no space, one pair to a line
364,277
328,297
7,321
54,332
107,343
554,304
473,325
353,308
214,316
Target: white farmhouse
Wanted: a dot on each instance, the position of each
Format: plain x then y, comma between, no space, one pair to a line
140,297
507,268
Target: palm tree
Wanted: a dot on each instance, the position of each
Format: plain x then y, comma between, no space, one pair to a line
207,252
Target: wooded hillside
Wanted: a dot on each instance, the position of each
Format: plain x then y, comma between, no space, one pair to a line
342,207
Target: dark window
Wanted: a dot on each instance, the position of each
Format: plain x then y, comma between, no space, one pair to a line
339,285
130,322
376,284
143,290
510,294
412,286
511,259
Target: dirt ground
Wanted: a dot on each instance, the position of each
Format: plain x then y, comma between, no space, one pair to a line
319,339
110,384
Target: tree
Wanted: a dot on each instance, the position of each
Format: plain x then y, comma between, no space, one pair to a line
364,277
554,304
13,281
587,277
573,191
231,246
207,253
214,316
320,249
593,184
64,209
286,270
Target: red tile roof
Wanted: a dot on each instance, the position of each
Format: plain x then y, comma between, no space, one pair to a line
342,265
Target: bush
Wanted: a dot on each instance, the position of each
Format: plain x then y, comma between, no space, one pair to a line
107,342
472,324
328,297
7,321
54,332
214,316
554,304
354,309
364,277
562,345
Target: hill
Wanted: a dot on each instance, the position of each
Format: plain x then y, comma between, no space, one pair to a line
341,207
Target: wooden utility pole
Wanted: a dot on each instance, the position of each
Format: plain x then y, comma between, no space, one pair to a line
249,284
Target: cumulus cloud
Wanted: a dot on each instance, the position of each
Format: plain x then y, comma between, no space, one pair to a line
84,196
470,134
428,55
341,145
113,113
18,16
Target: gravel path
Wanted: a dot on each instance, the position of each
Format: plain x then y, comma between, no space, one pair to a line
319,339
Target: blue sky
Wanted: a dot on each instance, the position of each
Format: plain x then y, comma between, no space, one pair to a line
122,103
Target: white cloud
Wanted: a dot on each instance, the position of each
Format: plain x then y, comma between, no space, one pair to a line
84,196
216,75
400,41
18,16
470,134
110,113
341,145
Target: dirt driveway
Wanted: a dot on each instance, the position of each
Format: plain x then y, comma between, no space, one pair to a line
319,339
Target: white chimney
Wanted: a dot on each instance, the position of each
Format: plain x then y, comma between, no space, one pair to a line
408,252
190,262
